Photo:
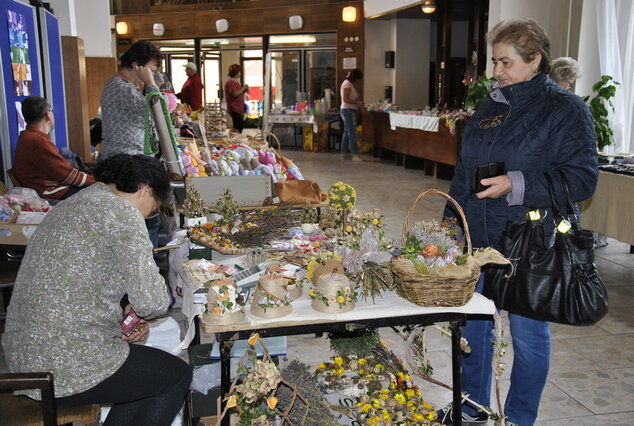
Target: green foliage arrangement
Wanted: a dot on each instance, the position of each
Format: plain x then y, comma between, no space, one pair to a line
360,342
603,90
478,92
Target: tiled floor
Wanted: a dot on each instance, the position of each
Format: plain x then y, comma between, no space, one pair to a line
591,380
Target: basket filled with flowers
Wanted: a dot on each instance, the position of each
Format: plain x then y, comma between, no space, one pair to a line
432,270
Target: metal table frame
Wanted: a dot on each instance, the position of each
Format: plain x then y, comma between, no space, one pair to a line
227,335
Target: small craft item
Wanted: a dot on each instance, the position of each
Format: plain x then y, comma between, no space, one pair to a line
202,271
271,298
329,267
333,294
224,303
291,280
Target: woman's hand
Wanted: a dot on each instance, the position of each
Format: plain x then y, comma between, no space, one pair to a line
141,331
497,187
144,74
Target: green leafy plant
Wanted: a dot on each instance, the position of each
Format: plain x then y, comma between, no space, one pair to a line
603,91
478,92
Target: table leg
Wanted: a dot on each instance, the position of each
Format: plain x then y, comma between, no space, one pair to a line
225,375
455,369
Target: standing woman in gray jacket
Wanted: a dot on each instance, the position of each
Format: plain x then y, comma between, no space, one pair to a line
123,100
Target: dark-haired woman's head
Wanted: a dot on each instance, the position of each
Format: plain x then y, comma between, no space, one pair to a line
130,173
354,75
141,53
234,70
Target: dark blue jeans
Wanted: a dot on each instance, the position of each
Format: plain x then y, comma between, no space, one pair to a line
531,361
147,390
349,140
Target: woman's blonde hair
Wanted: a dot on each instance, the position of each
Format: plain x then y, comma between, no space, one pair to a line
526,36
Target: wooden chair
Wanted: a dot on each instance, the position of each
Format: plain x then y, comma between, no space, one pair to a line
14,179
23,411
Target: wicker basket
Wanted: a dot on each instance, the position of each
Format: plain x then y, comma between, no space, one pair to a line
259,142
432,289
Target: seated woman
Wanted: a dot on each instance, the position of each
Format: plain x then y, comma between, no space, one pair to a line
89,252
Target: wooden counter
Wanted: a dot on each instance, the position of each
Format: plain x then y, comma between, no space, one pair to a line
436,152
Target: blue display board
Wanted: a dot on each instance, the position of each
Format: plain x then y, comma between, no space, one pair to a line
54,75
21,73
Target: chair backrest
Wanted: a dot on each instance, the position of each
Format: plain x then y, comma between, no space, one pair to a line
43,381
14,179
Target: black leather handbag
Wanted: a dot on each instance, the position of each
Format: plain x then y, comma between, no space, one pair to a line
558,283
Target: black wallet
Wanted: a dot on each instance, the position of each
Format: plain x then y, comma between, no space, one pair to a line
484,171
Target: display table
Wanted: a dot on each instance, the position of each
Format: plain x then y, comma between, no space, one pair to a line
295,119
415,141
389,310
611,209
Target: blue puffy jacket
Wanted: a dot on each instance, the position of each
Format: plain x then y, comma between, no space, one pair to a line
532,127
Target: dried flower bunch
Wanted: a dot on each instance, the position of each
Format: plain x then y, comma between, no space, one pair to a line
384,396
342,196
432,245
194,206
255,398
309,213
318,259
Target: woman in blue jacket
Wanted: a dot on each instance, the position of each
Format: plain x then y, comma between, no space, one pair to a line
532,126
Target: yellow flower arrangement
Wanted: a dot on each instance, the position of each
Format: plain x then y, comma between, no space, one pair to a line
342,196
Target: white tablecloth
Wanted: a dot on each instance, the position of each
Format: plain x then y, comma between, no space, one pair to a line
301,119
420,122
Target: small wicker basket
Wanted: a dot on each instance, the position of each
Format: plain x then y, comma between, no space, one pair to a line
259,142
433,289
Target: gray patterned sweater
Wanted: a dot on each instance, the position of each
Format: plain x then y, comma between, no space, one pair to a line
123,118
64,315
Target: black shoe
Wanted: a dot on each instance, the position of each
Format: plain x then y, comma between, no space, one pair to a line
445,416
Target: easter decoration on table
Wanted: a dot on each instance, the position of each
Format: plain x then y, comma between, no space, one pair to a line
432,271
194,208
224,303
333,293
271,298
292,281
366,253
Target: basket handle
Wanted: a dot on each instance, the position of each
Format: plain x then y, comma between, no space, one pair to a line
460,212
263,134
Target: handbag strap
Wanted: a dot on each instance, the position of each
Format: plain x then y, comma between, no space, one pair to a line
568,215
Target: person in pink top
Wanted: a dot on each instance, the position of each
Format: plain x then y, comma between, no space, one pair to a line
234,95
350,103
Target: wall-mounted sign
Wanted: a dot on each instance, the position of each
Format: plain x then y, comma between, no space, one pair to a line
349,63
349,50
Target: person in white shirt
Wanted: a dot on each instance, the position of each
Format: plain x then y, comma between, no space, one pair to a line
350,103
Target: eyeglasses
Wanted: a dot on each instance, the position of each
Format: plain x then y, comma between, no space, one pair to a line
491,122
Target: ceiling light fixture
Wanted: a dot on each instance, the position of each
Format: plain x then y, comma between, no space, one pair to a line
295,22
429,6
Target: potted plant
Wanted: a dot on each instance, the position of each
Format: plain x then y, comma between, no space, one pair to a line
603,91
477,93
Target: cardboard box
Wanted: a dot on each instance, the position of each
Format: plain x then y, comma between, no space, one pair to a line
248,191
13,234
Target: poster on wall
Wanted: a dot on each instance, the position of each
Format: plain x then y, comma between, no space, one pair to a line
19,43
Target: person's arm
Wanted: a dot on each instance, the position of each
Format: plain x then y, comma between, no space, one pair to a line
132,257
574,153
55,167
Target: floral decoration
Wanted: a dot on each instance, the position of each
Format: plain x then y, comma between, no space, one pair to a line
228,301
452,118
342,297
342,196
432,245
317,259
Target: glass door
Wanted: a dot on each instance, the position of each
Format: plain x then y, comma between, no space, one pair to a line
285,78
